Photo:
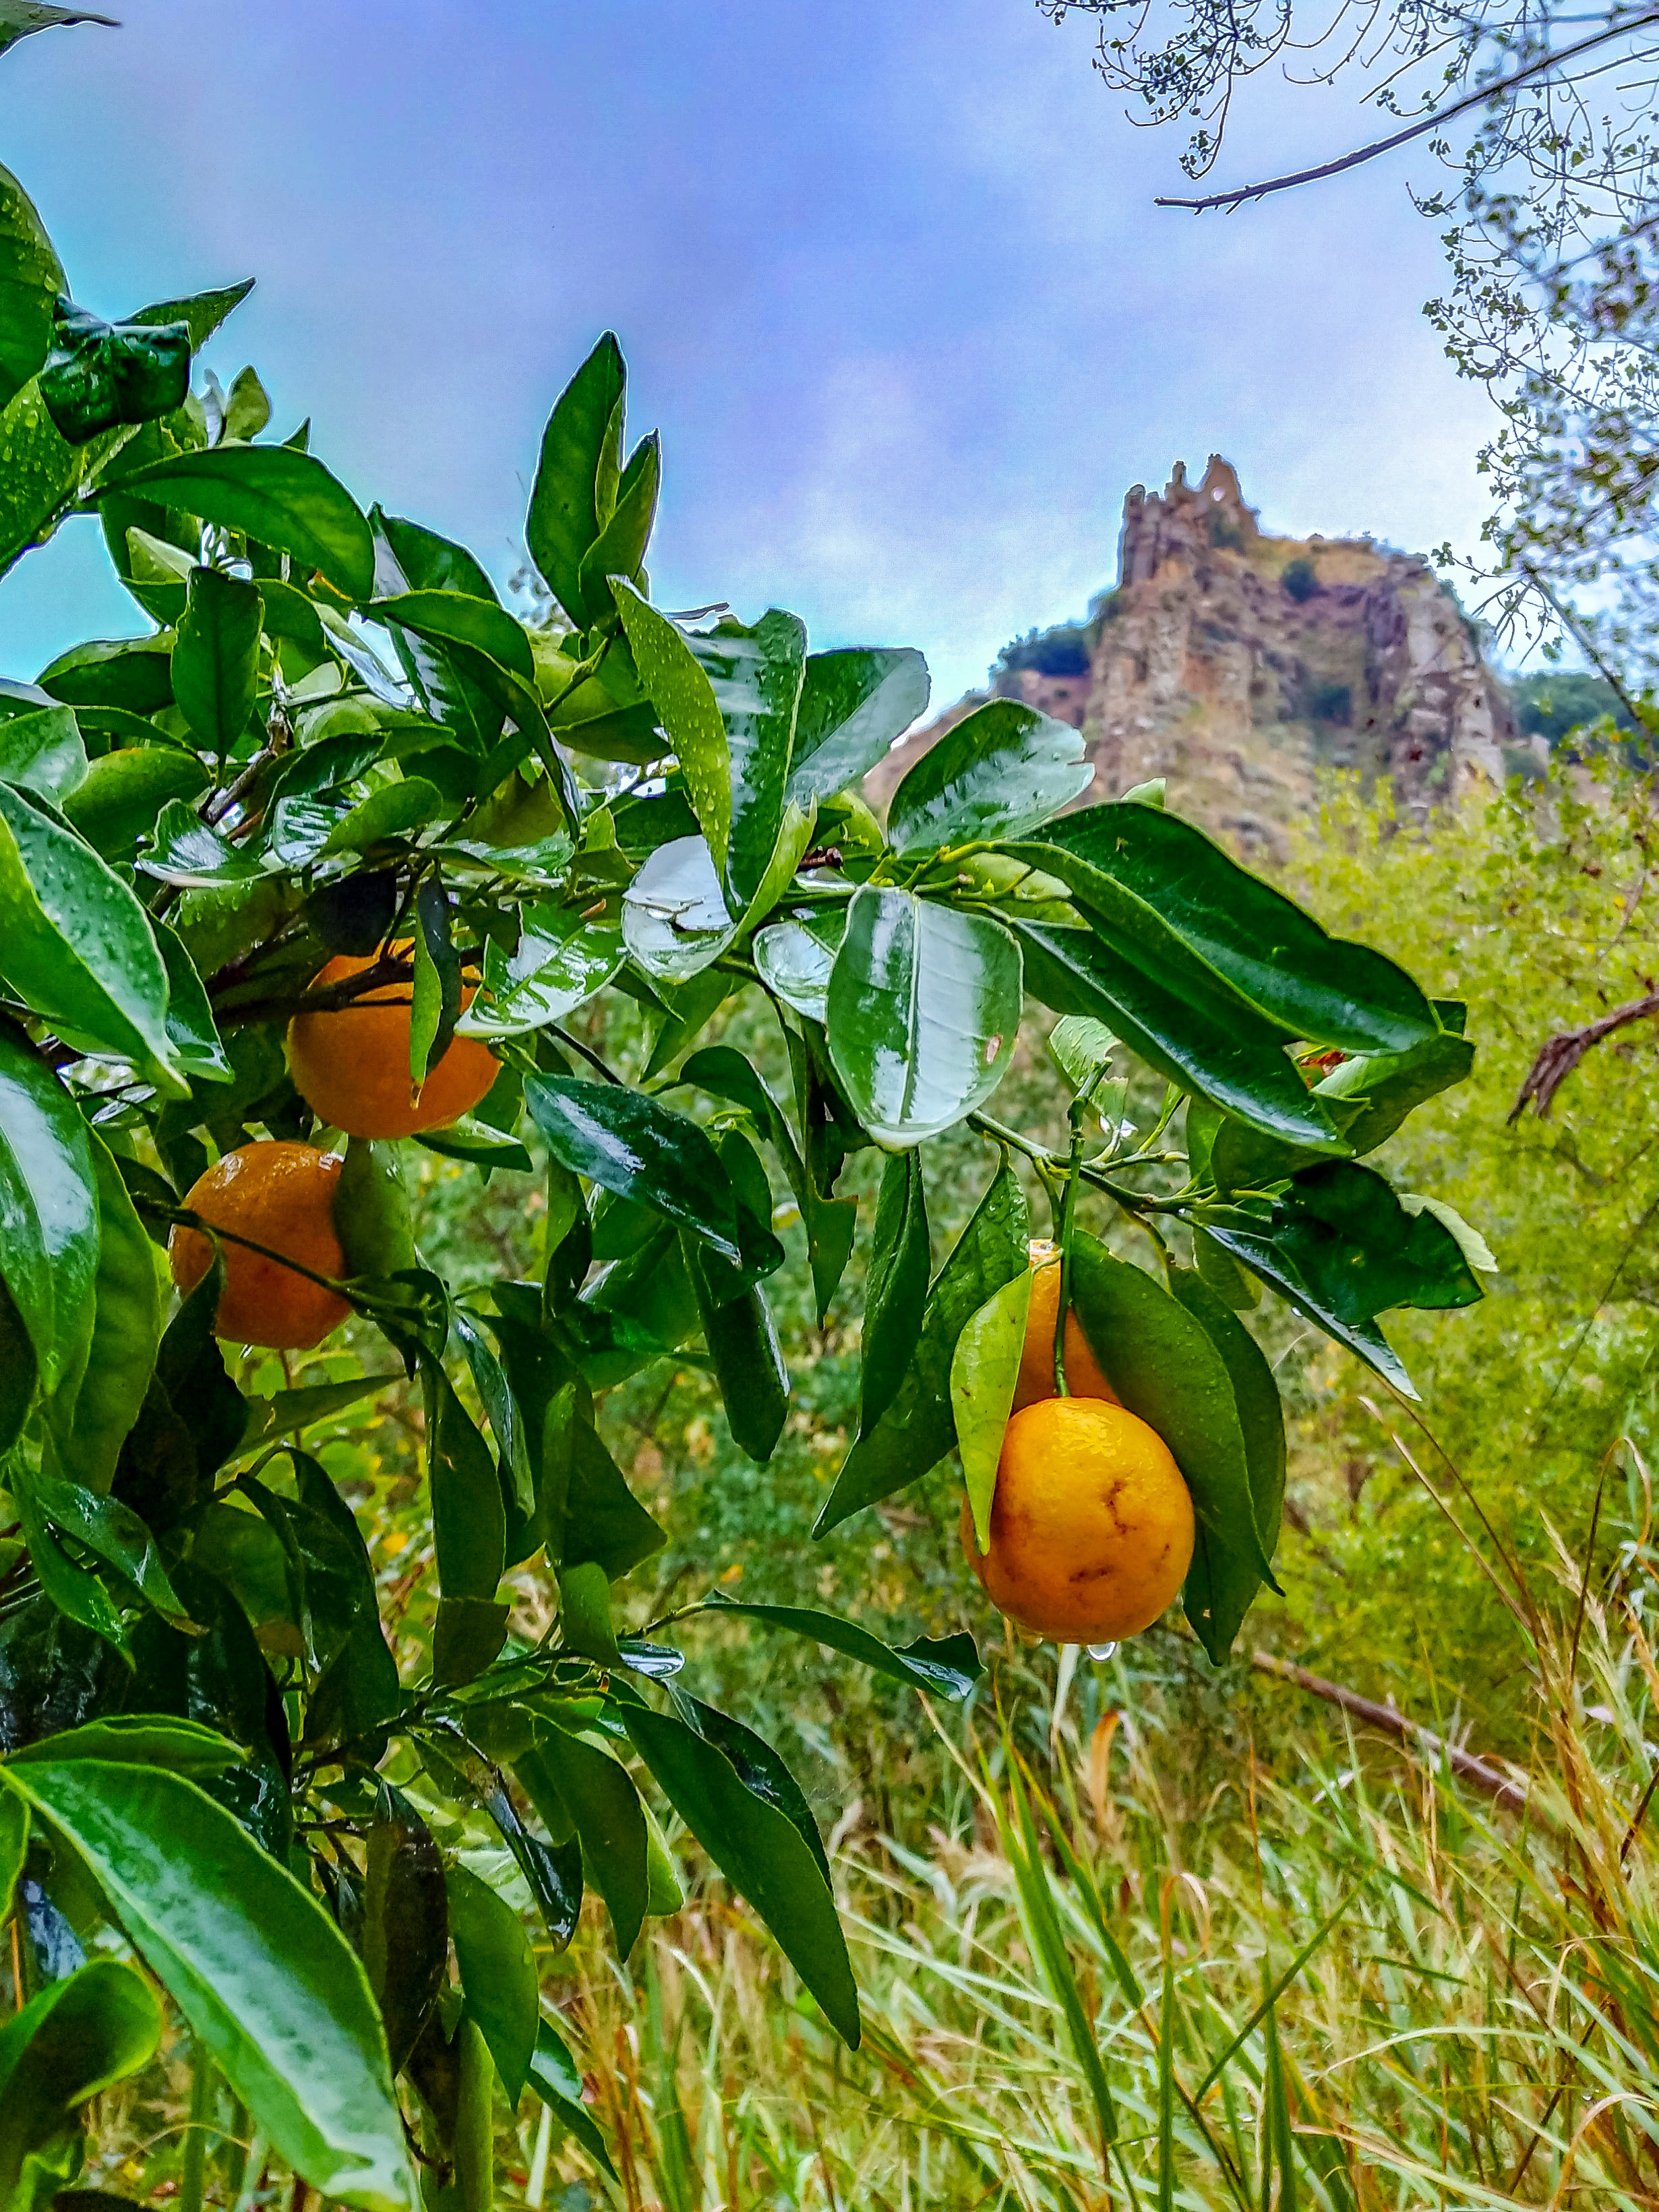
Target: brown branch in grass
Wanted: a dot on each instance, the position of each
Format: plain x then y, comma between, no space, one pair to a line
1480,98
1558,1055
1500,1787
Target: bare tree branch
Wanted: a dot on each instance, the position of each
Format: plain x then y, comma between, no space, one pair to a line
1558,1055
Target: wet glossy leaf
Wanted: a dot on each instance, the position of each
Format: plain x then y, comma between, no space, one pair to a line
1324,988
183,1747
123,791
674,916
561,960
49,1210
217,653
1223,1580
99,375
31,278
685,699
17,1371
984,1375
78,2037
44,751
919,1427
189,854
854,704
602,1522
618,552
79,949
1079,1048
794,958
1341,1250
92,1412
900,1259
1207,1043
755,676
469,1521
497,1973
257,1967
288,1411
947,1667
760,1852
1164,1368
749,1363
601,1801
565,517
999,773
555,2078
924,1008
131,674
283,498
638,1148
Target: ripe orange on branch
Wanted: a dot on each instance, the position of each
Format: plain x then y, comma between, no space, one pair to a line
1091,1523
1037,1361
351,1066
280,1195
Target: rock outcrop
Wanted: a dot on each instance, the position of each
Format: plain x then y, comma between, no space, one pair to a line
1235,665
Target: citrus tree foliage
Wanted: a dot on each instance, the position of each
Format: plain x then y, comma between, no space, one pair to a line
334,740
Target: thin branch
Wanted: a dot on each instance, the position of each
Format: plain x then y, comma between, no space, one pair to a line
1585,643
1558,1055
1478,98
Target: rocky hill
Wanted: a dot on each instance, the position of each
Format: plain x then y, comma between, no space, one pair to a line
1235,664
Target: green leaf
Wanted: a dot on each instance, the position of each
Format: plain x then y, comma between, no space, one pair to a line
999,773
62,904
189,854
1223,1580
674,917
476,1142
1164,1368
683,697
190,1024
247,406
947,1667
560,962
123,792
984,1375
131,673
31,278
756,677
436,996
924,1008
758,1767
410,559
391,811
49,1210
1324,988
405,1920
283,498
100,375
759,1852
900,1260
795,839
854,704
554,2077
603,1523
42,475
919,1427
216,657
1201,1042
638,1148
600,1800
498,1974
92,1412
564,517
43,750
1079,1048
288,1411
78,2037
17,1371
467,1635
469,1520
455,617
183,1747
1341,1248
263,1978
201,313
619,551
795,959
748,1360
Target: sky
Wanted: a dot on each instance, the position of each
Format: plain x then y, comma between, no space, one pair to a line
887,274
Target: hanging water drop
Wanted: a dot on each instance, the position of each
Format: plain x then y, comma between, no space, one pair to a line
1103,1651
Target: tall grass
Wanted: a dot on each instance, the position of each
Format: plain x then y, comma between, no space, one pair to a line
1323,1977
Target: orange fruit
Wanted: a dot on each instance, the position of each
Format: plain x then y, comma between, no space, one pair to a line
1091,1524
281,1195
1037,1361
352,1067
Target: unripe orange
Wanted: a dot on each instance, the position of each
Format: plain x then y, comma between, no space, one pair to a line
280,1195
351,1067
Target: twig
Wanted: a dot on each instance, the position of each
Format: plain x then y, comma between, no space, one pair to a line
1558,1055
1478,98
1512,1795
1585,643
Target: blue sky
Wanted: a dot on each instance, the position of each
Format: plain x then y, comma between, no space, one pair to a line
888,276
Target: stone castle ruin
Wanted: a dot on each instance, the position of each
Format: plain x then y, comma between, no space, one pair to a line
1235,665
